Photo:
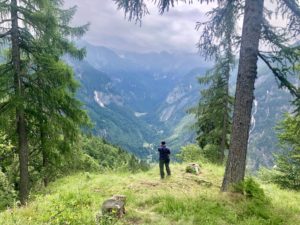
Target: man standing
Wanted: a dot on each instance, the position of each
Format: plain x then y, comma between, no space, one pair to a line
164,159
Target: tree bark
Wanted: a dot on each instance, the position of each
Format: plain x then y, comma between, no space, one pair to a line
44,154
247,71
225,121
20,115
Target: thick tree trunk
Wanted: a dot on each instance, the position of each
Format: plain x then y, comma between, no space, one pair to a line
20,115
236,164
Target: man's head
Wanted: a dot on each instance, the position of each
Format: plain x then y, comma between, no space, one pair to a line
163,143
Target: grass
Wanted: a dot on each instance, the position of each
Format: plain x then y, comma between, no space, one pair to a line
182,199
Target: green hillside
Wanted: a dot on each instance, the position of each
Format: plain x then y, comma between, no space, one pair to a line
182,199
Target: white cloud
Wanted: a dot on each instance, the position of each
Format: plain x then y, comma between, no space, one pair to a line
173,31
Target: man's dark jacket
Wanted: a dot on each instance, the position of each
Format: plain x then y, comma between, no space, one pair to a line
164,153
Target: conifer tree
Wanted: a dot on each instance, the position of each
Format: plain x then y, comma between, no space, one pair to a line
36,32
213,113
288,162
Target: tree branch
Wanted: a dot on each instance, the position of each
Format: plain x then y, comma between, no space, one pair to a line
5,34
283,81
5,21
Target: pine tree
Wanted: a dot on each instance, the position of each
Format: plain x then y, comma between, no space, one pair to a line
213,114
214,109
288,162
37,34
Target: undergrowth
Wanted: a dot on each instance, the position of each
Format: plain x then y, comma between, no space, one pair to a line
183,199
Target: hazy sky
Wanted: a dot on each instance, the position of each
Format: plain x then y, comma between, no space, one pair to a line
173,31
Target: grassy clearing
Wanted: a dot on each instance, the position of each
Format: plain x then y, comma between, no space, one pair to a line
182,199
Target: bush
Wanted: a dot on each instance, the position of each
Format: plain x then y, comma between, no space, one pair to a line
190,153
211,152
7,193
88,163
257,203
266,175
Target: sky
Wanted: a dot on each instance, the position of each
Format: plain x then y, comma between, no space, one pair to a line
173,31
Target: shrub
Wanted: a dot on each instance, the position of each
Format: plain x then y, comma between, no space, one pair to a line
266,175
190,153
7,193
211,152
257,203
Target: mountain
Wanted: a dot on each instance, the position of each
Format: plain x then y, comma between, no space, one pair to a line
269,106
138,99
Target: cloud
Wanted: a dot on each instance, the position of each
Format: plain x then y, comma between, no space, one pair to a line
173,31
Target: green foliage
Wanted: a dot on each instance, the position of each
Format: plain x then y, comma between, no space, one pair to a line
211,152
107,220
214,110
7,172
7,192
111,157
266,175
251,189
257,202
190,153
37,89
288,162
213,113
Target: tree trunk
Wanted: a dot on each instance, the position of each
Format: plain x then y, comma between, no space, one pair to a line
225,127
247,71
44,155
20,115
226,103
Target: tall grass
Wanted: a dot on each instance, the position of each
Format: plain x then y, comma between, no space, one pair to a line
183,199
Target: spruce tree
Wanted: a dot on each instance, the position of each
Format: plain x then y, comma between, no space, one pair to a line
214,110
288,162
37,32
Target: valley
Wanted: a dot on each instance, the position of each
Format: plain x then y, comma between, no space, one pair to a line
137,99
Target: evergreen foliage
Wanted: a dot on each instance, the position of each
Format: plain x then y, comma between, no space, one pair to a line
110,157
288,162
37,88
214,110
7,192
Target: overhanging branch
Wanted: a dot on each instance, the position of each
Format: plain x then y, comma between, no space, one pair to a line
280,76
5,34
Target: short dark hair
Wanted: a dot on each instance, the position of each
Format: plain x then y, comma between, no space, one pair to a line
163,143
